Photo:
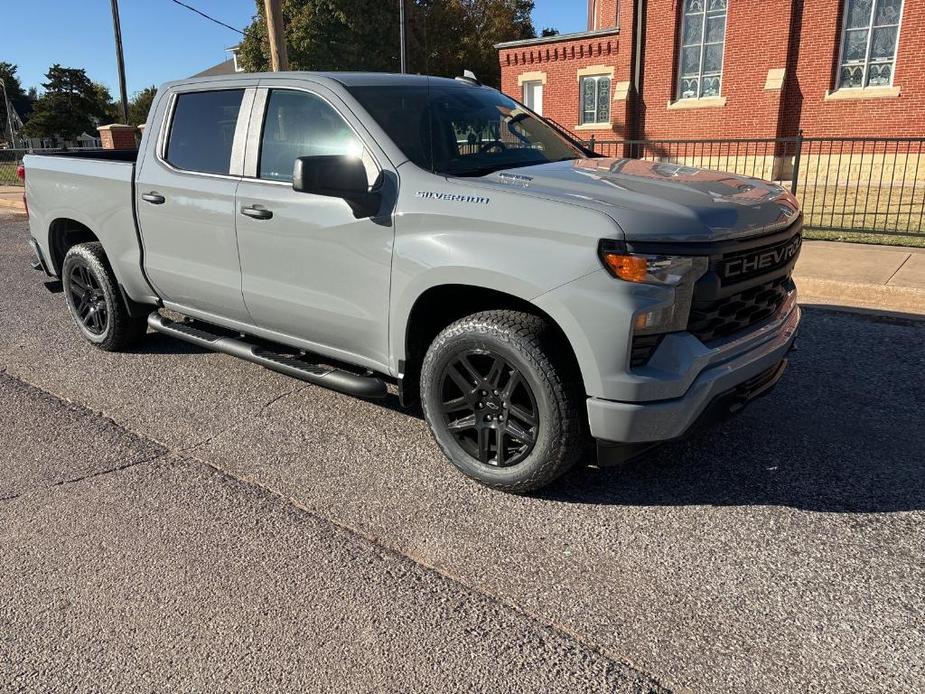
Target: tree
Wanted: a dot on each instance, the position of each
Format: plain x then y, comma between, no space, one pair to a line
449,36
112,110
445,37
140,104
18,98
70,105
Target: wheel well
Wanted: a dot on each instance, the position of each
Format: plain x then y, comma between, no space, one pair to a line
62,235
440,306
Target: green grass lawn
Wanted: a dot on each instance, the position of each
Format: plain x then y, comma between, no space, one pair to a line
864,237
900,210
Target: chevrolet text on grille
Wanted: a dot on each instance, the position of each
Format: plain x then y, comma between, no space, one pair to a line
764,260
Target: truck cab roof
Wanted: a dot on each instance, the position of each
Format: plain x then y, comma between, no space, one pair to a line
347,79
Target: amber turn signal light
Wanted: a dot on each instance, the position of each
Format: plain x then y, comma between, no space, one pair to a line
632,268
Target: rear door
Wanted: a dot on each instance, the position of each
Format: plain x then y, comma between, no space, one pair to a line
310,269
185,197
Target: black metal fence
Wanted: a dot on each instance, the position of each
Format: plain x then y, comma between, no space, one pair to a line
855,184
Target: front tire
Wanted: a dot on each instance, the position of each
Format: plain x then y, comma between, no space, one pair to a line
503,400
94,302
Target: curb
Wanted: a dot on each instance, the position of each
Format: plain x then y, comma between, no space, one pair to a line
905,300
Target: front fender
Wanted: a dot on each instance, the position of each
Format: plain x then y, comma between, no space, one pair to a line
413,288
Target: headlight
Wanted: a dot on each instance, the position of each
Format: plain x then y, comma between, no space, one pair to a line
677,272
669,270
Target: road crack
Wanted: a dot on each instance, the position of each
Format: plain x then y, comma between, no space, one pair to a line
109,471
229,429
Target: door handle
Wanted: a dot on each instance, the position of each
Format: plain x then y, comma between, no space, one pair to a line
153,198
256,212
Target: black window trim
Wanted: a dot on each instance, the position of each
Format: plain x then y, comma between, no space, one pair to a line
247,101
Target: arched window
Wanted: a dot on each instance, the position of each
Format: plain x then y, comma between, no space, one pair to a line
592,15
869,38
703,37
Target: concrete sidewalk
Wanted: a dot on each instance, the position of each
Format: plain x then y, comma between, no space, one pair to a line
857,275
833,273
11,199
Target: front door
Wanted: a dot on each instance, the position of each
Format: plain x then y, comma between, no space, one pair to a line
185,197
310,269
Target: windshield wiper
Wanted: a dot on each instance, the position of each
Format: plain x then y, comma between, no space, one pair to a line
481,171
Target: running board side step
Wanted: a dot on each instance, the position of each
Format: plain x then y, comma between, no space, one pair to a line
324,376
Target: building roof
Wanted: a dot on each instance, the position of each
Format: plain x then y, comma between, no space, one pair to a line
558,37
224,68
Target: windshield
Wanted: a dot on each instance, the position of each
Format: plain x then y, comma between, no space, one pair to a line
463,130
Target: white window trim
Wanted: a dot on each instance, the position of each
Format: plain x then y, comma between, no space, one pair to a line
531,77
857,92
677,92
848,93
523,94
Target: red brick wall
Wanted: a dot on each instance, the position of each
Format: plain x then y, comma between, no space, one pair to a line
118,136
756,41
561,60
817,54
606,11
801,36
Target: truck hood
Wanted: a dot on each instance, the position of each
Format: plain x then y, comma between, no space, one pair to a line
655,201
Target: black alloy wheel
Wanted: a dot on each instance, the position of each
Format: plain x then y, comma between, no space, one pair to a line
88,299
106,318
489,408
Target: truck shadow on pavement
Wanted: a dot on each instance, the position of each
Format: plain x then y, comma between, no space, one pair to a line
843,432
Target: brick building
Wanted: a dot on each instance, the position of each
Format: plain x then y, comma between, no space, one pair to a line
729,69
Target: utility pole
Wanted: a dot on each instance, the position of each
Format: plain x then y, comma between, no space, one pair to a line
401,34
117,30
9,117
276,30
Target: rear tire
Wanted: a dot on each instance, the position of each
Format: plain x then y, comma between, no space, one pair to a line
503,400
94,300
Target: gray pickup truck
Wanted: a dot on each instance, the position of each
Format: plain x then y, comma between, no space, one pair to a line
356,230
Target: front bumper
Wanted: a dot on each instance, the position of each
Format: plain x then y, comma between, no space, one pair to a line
655,421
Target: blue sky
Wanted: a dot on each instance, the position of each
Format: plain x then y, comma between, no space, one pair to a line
162,41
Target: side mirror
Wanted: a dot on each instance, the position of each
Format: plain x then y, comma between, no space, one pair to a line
336,176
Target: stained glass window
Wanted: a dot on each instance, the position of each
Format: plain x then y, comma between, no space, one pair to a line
703,35
595,99
868,52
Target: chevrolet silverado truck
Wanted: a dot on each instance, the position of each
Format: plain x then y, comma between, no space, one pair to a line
358,231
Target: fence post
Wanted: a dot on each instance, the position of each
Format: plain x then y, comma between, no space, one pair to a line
592,142
795,179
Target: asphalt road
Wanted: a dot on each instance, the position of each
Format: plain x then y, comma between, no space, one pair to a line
177,519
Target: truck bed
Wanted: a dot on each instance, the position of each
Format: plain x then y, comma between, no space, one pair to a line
130,155
92,189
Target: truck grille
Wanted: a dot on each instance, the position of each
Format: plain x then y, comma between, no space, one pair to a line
727,316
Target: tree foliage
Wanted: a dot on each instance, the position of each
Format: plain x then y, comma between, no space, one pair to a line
445,37
70,105
140,104
18,98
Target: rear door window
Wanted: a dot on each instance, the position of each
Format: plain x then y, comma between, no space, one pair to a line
202,130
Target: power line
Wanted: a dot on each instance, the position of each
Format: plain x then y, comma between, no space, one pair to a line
211,19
